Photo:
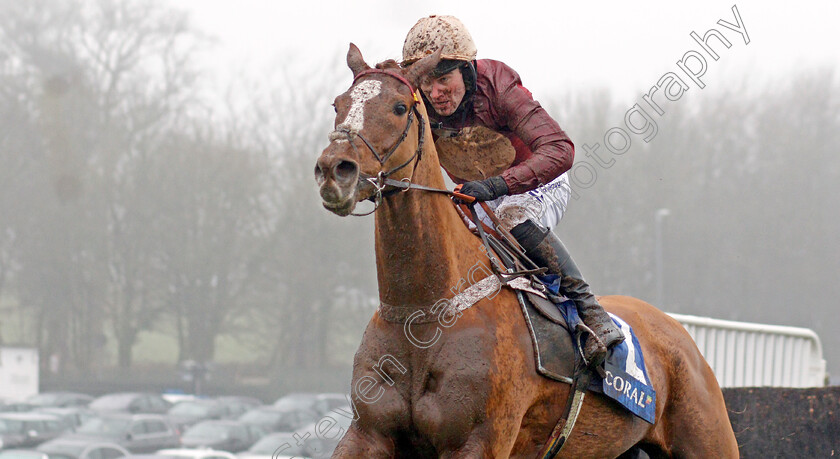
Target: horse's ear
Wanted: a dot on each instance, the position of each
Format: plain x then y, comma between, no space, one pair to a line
420,68
355,60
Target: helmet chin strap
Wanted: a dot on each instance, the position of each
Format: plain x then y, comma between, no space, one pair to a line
470,68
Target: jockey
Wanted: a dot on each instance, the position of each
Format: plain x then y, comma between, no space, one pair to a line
497,141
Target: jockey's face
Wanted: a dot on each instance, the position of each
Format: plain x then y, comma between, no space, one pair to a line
444,92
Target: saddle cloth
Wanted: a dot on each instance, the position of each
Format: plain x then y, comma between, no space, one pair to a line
551,327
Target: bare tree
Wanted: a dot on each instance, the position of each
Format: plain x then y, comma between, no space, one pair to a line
315,259
749,175
212,226
104,84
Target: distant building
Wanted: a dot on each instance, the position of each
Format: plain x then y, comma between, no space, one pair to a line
18,372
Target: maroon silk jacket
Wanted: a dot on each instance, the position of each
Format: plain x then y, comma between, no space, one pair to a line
501,103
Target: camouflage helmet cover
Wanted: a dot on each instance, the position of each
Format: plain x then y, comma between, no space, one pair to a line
434,32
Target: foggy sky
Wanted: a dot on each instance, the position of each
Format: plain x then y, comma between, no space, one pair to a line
555,46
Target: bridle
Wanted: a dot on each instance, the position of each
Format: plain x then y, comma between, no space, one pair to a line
506,246
414,111
381,180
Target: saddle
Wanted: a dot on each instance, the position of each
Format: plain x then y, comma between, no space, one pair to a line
558,356
555,353
555,329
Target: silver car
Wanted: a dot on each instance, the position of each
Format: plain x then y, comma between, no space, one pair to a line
81,449
138,433
24,430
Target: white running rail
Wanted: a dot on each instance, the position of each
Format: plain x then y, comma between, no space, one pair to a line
744,354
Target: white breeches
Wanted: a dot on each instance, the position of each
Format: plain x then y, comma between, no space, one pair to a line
544,205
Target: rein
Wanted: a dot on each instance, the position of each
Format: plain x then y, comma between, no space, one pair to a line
512,250
382,180
505,246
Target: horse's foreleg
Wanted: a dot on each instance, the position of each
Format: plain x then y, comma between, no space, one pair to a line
356,444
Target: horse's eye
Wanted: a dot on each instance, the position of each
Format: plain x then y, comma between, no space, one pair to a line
400,109
334,108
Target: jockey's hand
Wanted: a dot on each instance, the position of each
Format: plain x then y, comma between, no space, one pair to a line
485,190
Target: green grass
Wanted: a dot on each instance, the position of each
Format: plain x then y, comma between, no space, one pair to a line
155,347
159,347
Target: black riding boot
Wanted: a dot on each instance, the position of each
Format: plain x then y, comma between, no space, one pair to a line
546,249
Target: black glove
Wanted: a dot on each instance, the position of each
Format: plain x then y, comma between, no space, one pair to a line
485,190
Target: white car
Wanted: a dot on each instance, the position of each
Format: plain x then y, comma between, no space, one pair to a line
176,398
22,454
321,403
80,449
281,445
199,453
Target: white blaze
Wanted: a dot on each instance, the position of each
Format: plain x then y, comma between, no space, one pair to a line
363,92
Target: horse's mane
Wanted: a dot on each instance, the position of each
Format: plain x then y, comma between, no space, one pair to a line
390,64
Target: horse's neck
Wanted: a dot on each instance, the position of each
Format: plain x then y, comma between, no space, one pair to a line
423,249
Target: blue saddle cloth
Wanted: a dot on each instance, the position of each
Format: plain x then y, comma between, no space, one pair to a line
626,380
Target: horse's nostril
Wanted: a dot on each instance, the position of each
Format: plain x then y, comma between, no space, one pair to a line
346,170
319,174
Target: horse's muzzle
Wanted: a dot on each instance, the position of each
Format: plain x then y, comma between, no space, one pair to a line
338,179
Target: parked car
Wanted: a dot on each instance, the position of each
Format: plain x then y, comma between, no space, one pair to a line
14,407
59,399
236,406
230,436
279,445
321,403
138,433
73,416
187,413
81,449
273,419
23,430
131,402
22,454
324,438
175,398
188,453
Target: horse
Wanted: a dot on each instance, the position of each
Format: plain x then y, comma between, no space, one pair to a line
468,386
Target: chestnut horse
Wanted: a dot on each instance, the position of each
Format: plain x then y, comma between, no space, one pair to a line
468,386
